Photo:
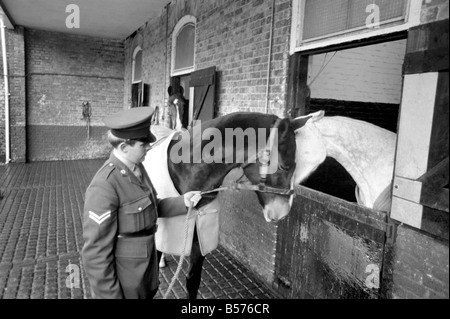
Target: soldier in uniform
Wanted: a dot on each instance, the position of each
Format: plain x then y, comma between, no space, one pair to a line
120,213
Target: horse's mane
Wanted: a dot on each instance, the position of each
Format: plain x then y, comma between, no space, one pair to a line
361,123
369,136
239,119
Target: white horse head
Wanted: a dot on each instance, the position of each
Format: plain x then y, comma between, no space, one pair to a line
365,150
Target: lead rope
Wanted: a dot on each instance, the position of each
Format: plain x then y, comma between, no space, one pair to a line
186,231
180,262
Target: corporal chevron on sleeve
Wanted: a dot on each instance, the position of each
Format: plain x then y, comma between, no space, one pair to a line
99,219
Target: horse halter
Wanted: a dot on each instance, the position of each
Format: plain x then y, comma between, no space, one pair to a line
264,158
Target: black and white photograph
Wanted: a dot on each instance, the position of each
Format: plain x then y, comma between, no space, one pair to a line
237,157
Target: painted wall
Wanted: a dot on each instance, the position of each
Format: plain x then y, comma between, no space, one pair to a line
63,71
50,75
366,74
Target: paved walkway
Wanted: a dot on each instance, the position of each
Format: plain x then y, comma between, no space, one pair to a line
41,207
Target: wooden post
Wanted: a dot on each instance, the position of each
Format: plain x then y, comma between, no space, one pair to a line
419,200
298,92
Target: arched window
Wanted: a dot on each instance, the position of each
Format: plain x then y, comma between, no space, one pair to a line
137,94
137,65
183,46
183,61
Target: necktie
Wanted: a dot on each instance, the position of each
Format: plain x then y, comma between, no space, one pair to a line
137,173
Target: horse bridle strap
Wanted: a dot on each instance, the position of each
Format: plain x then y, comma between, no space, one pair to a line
264,158
264,189
264,155
251,187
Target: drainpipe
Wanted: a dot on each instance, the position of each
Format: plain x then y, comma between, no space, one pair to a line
165,62
5,74
270,57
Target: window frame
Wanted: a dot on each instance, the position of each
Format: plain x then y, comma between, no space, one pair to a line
186,20
133,65
136,85
412,18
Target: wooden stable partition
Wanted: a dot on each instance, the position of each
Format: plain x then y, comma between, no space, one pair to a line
331,248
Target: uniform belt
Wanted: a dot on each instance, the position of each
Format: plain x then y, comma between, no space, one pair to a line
142,233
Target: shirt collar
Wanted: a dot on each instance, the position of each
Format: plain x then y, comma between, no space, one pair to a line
127,162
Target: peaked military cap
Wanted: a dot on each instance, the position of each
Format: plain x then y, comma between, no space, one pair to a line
131,124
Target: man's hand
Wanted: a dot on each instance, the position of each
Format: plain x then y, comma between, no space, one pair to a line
193,197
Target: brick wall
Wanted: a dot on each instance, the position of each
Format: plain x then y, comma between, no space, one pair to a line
234,36
237,42
63,71
16,71
245,233
421,266
151,40
366,74
231,35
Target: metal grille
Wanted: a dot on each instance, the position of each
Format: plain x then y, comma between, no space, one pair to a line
330,17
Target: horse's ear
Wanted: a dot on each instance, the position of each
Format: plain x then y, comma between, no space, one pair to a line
300,121
284,127
317,115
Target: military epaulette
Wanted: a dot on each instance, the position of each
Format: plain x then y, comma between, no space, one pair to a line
107,169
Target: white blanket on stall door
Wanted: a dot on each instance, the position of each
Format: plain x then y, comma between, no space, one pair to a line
171,235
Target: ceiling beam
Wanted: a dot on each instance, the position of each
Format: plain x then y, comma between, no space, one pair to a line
7,20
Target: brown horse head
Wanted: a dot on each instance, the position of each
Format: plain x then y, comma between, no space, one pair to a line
217,146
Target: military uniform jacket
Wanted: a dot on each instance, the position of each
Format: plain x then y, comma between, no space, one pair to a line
118,203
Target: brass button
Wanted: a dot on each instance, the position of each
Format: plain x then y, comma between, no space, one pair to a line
140,208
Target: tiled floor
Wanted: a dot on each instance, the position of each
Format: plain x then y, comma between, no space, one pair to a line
41,235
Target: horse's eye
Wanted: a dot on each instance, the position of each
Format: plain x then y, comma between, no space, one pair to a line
283,168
